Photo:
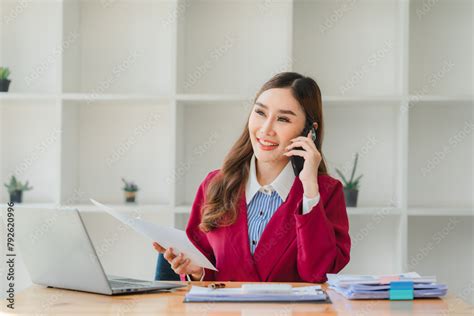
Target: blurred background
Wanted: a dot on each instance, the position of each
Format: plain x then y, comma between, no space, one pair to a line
156,92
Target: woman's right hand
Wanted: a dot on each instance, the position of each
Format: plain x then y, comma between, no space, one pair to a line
179,264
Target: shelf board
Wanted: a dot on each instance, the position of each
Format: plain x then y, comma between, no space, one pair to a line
7,96
359,99
441,98
355,100
182,209
213,97
381,210
32,205
142,208
329,100
440,211
186,209
90,208
114,97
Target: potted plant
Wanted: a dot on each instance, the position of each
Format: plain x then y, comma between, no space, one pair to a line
130,189
351,187
4,81
16,188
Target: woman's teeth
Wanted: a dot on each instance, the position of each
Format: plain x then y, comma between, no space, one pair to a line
264,143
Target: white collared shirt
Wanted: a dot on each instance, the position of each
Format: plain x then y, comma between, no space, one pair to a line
282,185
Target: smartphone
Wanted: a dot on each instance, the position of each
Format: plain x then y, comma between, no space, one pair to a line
296,161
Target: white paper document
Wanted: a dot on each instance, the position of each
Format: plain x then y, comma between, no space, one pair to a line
297,294
165,236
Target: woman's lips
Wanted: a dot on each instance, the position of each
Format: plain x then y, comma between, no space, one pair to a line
267,147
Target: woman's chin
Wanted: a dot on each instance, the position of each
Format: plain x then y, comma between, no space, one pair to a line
269,156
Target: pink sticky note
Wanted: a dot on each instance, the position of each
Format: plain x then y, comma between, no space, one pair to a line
386,279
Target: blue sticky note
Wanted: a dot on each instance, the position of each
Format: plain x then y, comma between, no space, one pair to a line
401,285
401,290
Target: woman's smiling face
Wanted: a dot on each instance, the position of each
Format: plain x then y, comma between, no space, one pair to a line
276,118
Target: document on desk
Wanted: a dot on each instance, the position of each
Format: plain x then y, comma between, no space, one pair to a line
165,236
378,286
297,294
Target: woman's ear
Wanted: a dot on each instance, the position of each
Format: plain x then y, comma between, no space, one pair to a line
315,125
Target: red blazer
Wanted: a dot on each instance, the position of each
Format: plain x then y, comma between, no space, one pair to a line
293,247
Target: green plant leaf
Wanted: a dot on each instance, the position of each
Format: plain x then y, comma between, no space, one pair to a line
355,166
4,73
129,186
358,178
16,185
342,176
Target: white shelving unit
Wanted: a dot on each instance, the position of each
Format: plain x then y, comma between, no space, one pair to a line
157,91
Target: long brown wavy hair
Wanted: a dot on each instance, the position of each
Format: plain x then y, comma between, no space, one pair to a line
225,189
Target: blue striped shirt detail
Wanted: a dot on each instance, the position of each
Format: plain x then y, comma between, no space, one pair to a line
259,212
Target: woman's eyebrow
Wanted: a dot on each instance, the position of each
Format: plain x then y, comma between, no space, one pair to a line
280,111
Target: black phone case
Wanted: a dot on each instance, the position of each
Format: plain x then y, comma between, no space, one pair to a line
296,161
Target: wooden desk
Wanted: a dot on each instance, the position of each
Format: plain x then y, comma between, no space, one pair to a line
38,300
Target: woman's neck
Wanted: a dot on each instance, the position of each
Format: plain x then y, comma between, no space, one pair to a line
267,172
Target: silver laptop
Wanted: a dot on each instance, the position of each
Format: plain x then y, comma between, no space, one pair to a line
58,252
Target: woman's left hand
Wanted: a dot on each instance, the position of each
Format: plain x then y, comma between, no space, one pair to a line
312,159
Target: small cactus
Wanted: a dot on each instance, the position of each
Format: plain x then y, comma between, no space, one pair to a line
4,73
129,186
16,185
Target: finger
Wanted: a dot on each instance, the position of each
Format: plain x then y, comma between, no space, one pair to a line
168,255
182,269
177,261
302,138
158,247
301,153
306,146
312,153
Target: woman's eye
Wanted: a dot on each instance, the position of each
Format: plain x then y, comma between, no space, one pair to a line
281,118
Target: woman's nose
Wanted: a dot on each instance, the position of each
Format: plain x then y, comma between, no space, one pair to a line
267,128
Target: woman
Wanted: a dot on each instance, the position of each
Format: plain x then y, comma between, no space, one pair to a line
254,219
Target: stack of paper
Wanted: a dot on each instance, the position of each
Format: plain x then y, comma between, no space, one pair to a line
297,294
378,286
